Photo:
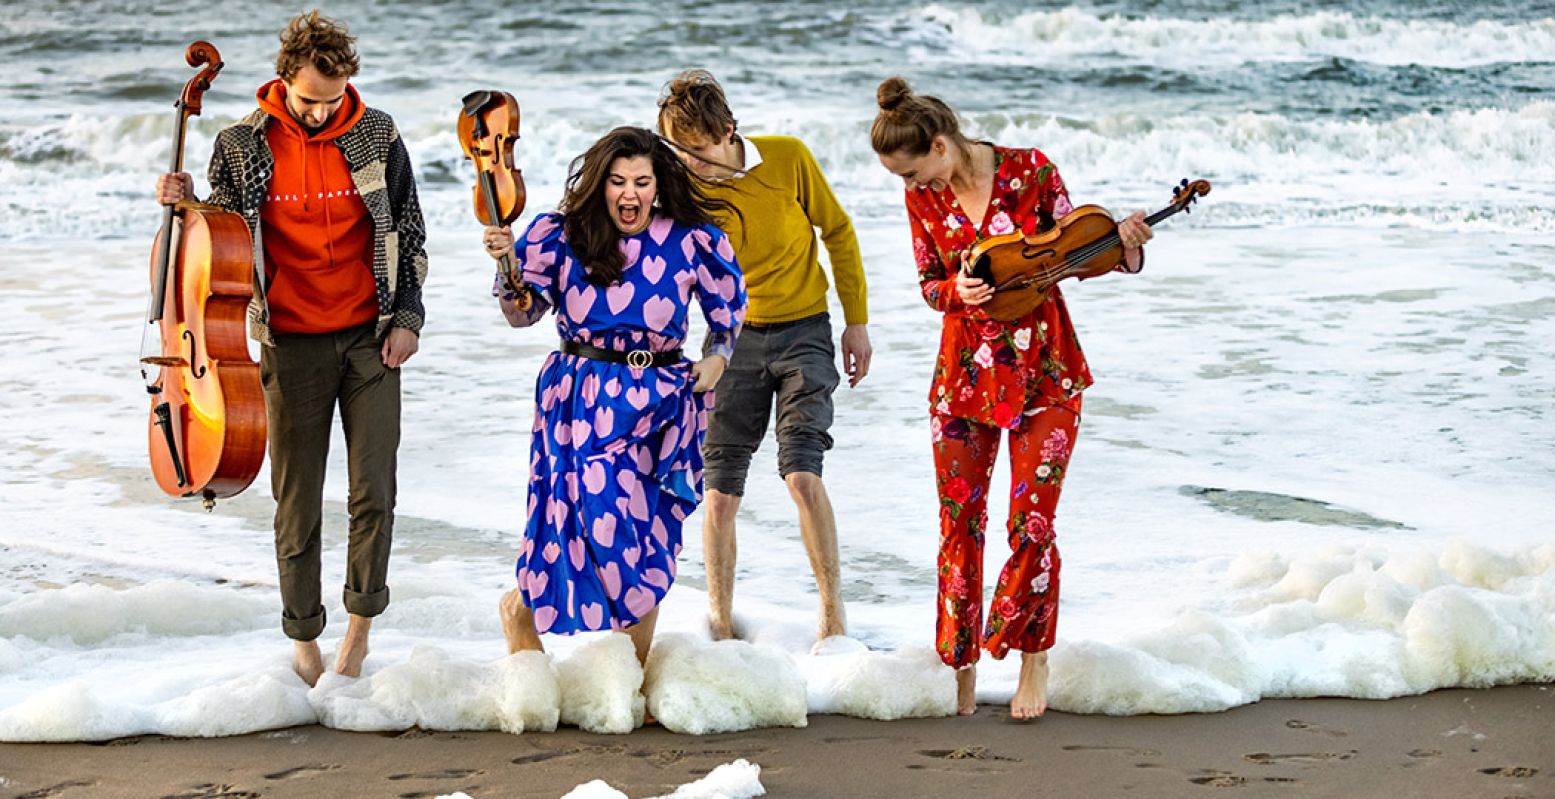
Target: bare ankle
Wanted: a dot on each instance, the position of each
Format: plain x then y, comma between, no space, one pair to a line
307,661
966,690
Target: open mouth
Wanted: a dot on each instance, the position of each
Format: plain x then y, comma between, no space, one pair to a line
629,214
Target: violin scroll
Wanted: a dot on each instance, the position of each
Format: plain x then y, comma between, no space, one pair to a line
1187,193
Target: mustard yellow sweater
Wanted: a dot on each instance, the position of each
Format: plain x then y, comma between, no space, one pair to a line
784,199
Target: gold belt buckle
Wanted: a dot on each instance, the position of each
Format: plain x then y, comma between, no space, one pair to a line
639,359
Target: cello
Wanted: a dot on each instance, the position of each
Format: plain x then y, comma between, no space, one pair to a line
1021,269
207,427
488,128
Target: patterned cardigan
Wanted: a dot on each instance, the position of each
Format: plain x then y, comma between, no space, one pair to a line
240,172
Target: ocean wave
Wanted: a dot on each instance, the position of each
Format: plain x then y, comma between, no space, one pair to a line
1041,37
1482,145
1481,169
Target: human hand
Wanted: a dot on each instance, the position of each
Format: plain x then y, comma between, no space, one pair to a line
499,242
1133,232
398,346
707,372
172,188
856,353
973,290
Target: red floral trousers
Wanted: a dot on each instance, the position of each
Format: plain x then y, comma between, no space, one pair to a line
1023,614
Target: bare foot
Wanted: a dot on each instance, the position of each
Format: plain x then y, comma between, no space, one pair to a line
518,624
1031,691
966,690
307,661
353,650
719,625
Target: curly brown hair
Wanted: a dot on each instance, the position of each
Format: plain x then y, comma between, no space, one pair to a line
315,39
591,232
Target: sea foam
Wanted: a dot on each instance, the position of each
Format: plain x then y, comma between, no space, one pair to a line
1343,621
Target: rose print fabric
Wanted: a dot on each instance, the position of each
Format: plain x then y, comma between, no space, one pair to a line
1023,614
1022,376
990,371
615,458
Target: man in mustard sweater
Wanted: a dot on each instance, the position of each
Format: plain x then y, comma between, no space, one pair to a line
784,351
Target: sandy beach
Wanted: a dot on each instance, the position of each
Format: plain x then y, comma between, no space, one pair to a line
1492,743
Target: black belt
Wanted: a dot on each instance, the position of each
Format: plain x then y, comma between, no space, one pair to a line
637,359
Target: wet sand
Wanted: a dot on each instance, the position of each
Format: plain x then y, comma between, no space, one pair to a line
1496,743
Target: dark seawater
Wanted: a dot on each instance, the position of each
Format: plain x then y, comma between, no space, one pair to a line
1255,92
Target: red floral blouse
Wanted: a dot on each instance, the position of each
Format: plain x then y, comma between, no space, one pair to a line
990,371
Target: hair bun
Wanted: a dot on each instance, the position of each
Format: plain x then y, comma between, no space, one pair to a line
892,92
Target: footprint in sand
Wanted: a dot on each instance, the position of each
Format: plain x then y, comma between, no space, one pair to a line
303,771
1298,724
441,774
537,757
1513,772
1220,781
55,790
966,753
467,790
1225,779
1266,759
214,791
1097,748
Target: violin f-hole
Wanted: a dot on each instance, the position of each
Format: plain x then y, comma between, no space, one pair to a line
1032,254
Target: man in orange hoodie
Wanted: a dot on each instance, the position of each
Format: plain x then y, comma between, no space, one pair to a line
326,186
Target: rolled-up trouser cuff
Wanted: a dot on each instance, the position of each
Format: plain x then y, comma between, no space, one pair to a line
305,629
802,451
725,470
368,604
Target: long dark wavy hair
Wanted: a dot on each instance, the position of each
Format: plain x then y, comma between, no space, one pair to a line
590,231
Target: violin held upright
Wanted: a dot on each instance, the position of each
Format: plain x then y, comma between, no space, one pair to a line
488,129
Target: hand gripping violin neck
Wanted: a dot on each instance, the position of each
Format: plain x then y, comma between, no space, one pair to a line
488,128
1022,269
207,426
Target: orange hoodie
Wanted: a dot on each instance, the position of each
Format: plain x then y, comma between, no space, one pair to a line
318,235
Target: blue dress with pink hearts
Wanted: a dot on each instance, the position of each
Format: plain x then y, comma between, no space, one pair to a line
616,452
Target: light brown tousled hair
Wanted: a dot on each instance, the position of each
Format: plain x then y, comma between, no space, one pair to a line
908,122
313,39
694,103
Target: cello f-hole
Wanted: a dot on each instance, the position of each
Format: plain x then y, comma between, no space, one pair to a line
197,371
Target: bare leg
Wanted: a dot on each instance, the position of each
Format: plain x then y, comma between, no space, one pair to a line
353,650
718,552
1031,692
518,624
642,634
818,527
966,690
307,661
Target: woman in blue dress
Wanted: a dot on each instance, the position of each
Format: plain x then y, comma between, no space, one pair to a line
615,457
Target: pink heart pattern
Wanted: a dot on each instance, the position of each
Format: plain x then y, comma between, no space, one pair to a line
615,461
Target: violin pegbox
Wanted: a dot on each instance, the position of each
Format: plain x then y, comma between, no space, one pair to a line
1187,193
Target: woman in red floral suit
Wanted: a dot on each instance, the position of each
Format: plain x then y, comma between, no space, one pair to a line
1024,376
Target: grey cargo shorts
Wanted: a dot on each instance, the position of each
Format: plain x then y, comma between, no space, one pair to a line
792,362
